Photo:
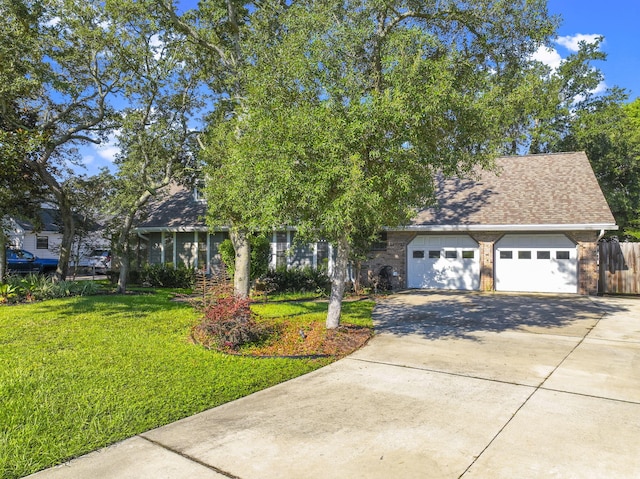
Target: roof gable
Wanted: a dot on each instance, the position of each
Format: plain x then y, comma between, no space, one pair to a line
544,189
178,209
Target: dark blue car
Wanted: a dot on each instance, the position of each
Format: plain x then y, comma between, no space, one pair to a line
20,261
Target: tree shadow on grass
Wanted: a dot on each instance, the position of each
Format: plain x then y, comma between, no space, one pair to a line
462,315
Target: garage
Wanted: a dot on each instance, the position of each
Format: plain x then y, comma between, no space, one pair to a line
443,262
536,263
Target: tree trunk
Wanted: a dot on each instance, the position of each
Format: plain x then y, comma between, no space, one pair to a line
68,229
3,256
68,224
123,253
242,273
338,279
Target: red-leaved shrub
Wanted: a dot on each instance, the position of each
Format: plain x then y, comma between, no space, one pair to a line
228,322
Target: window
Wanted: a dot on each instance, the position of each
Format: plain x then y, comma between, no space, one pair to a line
202,250
42,242
434,253
468,254
506,254
198,190
451,254
524,254
562,255
322,259
418,254
543,255
380,244
281,249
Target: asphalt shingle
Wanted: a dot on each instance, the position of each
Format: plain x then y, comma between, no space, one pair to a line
543,189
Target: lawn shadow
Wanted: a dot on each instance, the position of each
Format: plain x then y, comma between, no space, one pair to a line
438,314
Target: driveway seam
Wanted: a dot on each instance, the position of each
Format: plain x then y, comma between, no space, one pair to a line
573,393
190,458
437,371
539,387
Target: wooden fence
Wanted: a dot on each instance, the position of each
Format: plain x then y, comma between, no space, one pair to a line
619,268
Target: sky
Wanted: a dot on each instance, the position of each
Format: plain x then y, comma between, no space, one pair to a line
618,21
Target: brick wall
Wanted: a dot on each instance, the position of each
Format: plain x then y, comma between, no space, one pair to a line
486,242
395,255
587,260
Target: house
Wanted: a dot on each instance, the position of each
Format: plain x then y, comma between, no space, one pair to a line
532,225
43,241
45,238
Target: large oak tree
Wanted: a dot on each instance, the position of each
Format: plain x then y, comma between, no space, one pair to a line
352,108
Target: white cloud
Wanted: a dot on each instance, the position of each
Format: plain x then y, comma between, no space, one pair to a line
88,159
109,149
548,56
53,22
601,88
157,46
571,42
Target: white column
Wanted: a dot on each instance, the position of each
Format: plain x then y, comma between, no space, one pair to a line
175,250
162,254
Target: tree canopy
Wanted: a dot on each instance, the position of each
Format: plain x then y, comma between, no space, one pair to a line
352,108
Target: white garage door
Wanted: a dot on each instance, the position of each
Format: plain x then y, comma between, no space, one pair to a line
443,262
536,263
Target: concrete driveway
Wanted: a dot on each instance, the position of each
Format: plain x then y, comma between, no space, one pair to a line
453,385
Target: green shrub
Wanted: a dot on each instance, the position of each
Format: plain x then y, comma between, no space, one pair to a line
166,276
8,293
260,251
296,280
35,287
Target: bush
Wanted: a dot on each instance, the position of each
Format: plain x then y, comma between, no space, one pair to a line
260,250
297,280
35,287
165,276
228,322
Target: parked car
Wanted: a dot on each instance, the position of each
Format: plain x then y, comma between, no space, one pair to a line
20,261
99,261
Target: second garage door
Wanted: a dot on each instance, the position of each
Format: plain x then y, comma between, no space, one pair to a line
443,262
536,263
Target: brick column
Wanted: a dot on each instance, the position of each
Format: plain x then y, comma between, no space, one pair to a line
587,261
486,243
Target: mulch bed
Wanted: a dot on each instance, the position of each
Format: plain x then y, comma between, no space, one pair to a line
312,340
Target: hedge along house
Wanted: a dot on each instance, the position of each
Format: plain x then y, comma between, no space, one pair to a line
531,226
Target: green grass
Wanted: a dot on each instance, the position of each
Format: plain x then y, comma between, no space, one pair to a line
356,312
80,373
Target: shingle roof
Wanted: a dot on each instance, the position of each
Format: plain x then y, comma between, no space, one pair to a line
546,189
49,221
543,189
177,210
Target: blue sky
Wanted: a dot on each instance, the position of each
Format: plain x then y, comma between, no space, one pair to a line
617,20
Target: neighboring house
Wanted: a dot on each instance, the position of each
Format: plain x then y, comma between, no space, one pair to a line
44,241
531,226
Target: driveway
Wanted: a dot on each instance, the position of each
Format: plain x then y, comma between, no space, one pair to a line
453,385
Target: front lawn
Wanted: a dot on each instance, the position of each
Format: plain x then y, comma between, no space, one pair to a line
80,373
